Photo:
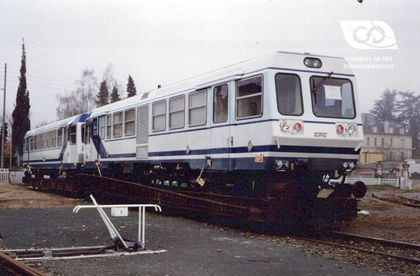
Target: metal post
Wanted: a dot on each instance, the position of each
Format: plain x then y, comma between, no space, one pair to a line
4,115
143,242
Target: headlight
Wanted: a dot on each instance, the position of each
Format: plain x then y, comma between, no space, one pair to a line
340,129
285,126
312,62
351,129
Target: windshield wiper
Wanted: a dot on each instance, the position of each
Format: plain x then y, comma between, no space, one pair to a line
320,84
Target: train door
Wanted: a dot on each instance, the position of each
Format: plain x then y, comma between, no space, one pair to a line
142,139
73,153
86,132
221,137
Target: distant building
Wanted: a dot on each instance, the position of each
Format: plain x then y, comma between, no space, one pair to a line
384,141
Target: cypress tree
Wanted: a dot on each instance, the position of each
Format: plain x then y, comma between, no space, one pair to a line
131,87
21,122
115,97
103,94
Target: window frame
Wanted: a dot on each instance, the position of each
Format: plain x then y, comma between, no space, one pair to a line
133,121
301,93
249,96
205,90
228,96
120,123
353,97
163,115
178,111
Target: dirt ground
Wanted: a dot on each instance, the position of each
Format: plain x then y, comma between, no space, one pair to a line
18,196
387,220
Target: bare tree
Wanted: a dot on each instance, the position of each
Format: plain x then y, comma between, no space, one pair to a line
80,100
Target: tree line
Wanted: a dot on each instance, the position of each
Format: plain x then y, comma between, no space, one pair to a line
401,107
89,94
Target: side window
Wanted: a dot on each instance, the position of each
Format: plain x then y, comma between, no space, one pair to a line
249,97
59,137
108,126
117,124
129,122
220,103
197,112
159,116
88,132
72,131
289,94
176,112
53,139
66,136
26,144
102,127
83,129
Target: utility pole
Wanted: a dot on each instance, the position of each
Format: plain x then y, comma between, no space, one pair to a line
4,115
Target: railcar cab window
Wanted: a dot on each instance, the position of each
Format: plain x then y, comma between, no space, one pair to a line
249,97
117,121
73,135
177,112
197,108
332,97
220,103
129,117
159,116
289,94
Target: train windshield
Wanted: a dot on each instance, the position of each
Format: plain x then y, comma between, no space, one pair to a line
289,94
332,97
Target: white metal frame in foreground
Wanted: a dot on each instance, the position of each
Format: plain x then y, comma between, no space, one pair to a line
111,228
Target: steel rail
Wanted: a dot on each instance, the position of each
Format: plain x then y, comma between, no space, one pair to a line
18,268
398,200
349,236
372,252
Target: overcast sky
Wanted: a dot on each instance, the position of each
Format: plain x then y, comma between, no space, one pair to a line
159,42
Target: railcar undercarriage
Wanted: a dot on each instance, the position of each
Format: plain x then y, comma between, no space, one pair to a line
287,198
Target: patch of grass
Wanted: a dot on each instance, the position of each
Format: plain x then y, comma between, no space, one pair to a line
382,187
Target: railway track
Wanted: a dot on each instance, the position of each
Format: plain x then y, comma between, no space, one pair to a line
409,202
406,252
9,265
269,210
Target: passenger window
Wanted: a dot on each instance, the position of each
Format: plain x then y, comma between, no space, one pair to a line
198,108
117,124
159,116
72,135
59,137
88,133
129,122
176,112
249,97
83,128
102,127
108,126
289,94
66,137
220,103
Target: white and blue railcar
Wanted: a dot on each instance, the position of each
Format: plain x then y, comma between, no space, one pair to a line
283,118
58,145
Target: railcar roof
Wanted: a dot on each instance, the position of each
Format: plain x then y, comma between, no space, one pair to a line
56,125
278,60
